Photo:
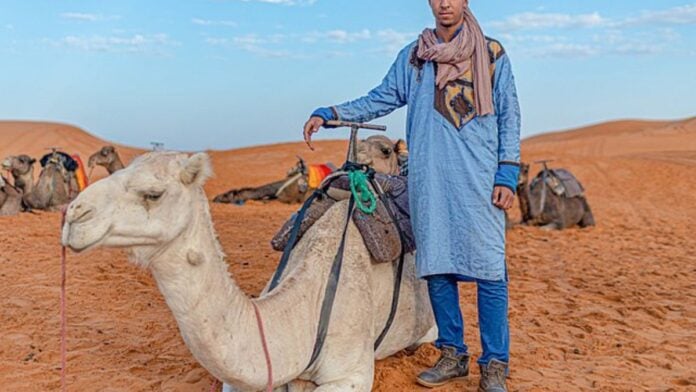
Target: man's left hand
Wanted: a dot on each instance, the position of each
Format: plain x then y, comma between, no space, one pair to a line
503,197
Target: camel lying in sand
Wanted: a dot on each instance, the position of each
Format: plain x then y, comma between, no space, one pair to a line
55,187
106,157
554,211
10,198
293,189
157,209
378,152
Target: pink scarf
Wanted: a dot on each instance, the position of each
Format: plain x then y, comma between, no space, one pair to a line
468,50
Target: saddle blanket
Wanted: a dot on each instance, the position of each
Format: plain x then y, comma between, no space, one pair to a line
317,173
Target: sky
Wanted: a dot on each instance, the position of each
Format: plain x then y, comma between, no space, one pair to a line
219,74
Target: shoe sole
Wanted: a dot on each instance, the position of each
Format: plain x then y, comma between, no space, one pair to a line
435,385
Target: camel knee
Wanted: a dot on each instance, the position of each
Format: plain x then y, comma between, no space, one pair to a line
355,384
429,337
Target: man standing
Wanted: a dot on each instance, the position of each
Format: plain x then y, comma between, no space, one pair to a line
463,133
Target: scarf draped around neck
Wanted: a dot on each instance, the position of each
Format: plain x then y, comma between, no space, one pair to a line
467,51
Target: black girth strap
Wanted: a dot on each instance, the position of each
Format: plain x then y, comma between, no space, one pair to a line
291,241
330,291
399,268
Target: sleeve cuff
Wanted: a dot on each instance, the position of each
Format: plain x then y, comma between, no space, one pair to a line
507,175
326,114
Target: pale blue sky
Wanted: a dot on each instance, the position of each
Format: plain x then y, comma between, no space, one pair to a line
201,74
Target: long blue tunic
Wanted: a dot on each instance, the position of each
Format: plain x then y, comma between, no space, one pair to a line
453,158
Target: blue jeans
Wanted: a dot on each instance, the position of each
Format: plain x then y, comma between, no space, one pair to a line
492,314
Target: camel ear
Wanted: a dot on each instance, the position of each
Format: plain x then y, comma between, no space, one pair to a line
197,169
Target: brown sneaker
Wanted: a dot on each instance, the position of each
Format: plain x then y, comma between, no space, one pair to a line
449,367
493,377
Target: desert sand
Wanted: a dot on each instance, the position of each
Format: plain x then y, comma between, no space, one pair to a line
610,308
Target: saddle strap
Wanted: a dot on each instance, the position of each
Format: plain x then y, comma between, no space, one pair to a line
283,263
330,291
399,267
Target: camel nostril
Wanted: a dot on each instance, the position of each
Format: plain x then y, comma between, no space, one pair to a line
80,213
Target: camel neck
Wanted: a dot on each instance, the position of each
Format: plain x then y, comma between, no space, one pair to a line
115,166
215,317
25,181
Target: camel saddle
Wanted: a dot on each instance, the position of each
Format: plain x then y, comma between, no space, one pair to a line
68,162
562,182
381,231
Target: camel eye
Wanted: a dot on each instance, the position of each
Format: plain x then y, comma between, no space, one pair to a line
153,196
386,151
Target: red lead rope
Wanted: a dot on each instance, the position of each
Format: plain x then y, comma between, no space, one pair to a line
266,352
63,316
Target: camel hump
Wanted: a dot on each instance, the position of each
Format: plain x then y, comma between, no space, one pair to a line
563,183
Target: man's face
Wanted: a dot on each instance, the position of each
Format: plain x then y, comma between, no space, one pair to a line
448,13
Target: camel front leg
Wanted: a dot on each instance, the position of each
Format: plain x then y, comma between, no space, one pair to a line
355,383
359,381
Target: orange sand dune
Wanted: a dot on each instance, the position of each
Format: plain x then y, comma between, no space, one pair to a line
37,138
610,308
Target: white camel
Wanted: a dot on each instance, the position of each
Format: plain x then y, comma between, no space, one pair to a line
158,210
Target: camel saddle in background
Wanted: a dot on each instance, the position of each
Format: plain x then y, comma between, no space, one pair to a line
563,183
379,231
68,162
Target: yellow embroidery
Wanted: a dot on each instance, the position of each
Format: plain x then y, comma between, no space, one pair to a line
456,101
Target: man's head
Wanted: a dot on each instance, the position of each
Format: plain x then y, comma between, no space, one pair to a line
448,13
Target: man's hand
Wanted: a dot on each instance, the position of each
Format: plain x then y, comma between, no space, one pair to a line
503,197
312,126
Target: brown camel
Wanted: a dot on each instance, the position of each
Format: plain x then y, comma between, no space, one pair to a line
541,206
10,198
56,186
108,158
378,152
22,169
292,189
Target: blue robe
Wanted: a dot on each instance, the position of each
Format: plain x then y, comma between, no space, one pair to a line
454,156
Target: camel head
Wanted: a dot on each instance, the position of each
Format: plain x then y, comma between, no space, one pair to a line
144,207
104,157
524,174
299,168
19,165
382,154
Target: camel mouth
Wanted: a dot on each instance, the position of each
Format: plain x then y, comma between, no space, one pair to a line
80,248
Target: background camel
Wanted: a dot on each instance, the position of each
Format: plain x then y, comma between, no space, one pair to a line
293,189
157,209
55,187
10,198
22,169
378,152
106,157
382,154
558,212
